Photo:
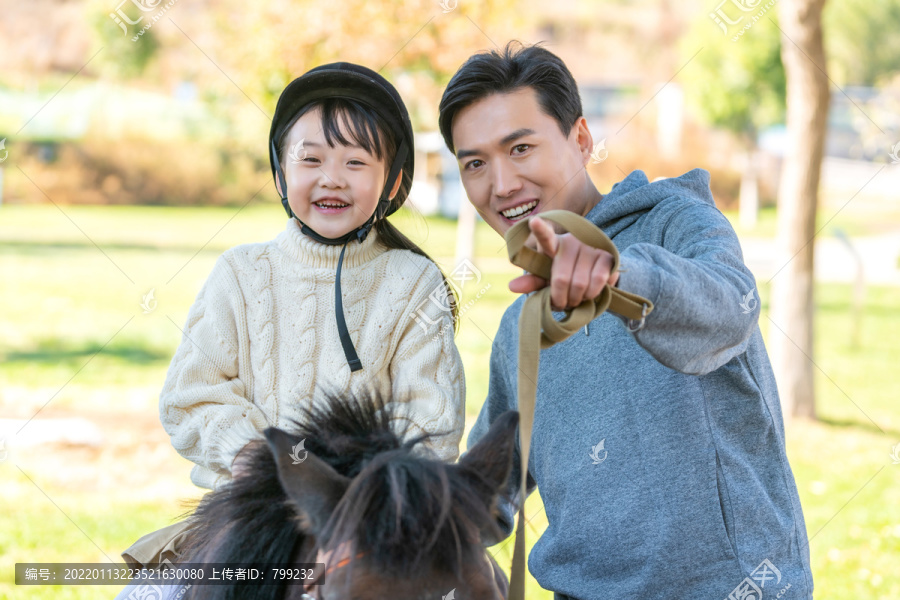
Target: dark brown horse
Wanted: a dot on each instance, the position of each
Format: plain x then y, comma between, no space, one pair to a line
387,520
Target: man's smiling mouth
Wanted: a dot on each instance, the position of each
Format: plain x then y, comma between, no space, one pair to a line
519,212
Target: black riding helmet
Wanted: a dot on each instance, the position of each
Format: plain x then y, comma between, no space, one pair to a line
354,82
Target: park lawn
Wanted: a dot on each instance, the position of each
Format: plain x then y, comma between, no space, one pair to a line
73,283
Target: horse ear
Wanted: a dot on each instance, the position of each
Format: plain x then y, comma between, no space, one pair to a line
489,462
313,485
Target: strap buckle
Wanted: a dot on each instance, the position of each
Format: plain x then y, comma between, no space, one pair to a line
635,326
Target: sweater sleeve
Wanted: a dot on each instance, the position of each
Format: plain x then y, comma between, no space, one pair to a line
502,394
426,369
705,301
205,405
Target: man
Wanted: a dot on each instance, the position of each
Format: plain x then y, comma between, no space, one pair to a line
658,446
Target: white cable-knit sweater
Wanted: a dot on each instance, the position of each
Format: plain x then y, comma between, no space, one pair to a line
261,343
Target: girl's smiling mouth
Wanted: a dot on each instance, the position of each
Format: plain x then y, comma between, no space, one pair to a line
331,205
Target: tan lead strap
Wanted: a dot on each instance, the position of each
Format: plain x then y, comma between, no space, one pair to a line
538,329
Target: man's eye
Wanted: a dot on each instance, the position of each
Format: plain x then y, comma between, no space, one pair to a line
473,164
521,147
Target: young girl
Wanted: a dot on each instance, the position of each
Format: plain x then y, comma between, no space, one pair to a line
326,307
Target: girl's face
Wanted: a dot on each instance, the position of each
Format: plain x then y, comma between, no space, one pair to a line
332,190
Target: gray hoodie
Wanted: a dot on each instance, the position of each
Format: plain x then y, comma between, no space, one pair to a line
659,455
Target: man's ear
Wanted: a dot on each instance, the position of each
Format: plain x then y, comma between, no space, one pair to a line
584,139
489,462
396,187
312,485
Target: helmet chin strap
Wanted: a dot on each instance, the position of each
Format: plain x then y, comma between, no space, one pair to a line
360,233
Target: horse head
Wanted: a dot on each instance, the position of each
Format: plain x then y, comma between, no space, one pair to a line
385,518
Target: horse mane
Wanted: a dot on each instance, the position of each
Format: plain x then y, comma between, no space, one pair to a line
401,508
405,514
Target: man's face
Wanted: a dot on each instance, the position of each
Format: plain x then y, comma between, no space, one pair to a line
515,161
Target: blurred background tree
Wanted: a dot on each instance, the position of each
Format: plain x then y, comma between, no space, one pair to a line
793,308
261,47
736,86
121,57
739,87
863,45
218,67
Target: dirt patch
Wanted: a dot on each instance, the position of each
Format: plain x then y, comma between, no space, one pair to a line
135,457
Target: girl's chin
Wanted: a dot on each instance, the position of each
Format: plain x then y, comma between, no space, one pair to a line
331,228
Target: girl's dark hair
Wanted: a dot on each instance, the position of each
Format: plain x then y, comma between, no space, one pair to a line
516,67
371,131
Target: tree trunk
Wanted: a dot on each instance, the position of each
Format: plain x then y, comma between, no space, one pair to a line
791,340
748,200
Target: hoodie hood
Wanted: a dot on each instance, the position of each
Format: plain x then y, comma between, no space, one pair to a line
635,195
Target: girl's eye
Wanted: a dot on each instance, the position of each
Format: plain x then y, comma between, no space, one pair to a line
357,162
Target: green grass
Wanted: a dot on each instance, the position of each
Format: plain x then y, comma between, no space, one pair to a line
863,221
63,300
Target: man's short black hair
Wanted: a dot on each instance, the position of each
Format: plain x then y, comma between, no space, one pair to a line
516,67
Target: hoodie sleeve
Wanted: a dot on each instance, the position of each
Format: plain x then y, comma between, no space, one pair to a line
501,398
706,304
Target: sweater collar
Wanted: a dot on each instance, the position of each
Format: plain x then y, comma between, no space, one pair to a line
307,251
